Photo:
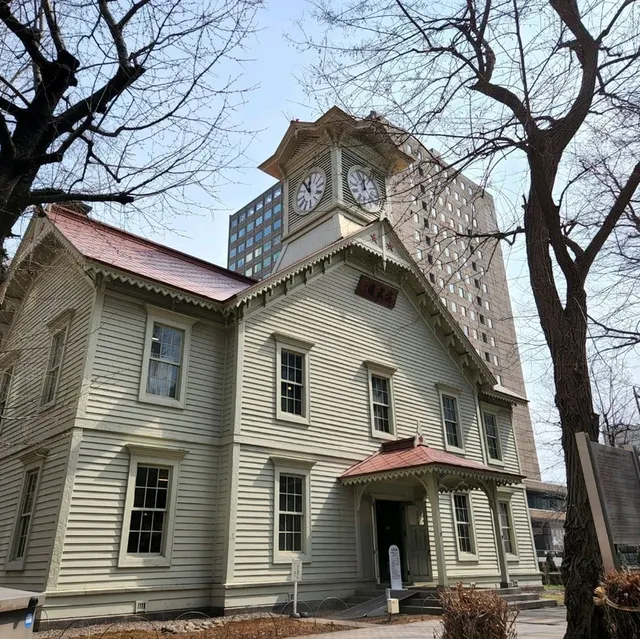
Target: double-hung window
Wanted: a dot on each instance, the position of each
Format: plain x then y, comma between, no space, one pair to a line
292,511
5,385
149,510
25,515
59,329
381,399
150,506
463,520
292,382
26,509
506,527
451,420
381,403
165,358
492,436
292,371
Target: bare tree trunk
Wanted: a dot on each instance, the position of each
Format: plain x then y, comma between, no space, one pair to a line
581,567
565,330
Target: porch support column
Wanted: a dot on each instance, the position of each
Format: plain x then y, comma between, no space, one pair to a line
430,482
492,494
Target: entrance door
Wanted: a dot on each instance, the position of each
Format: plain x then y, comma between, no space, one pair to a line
389,531
417,542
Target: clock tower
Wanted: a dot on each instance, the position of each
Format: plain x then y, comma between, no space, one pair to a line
335,172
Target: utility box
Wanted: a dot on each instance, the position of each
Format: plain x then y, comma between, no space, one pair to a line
393,606
17,612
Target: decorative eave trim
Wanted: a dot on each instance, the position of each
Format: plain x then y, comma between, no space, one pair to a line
273,282
356,240
155,287
505,397
498,478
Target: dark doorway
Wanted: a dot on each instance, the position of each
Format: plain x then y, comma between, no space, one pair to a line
389,531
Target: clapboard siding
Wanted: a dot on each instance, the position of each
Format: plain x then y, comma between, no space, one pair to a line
58,287
117,369
348,330
34,574
90,553
527,562
332,522
222,512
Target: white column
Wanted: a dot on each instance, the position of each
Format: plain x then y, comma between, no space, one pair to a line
431,484
492,494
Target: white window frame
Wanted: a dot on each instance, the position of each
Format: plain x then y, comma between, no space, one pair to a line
504,497
375,369
178,321
59,325
300,347
9,369
301,468
158,457
451,391
463,555
494,413
31,461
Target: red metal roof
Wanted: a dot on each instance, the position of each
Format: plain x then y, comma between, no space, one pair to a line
405,453
124,251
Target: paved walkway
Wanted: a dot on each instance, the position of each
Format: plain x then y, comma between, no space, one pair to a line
548,623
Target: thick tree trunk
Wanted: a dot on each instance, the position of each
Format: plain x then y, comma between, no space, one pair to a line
581,566
565,330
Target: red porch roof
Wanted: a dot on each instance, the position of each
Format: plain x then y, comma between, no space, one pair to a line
401,456
124,251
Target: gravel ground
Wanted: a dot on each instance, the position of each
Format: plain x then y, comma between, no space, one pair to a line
243,626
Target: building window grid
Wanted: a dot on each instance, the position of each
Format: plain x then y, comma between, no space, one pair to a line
493,437
291,382
290,513
5,384
506,527
27,508
463,523
381,402
149,511
165,361
54,366
450,413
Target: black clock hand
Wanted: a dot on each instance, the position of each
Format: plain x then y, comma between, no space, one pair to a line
308,186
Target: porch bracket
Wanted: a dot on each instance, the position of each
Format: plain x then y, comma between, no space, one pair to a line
430,482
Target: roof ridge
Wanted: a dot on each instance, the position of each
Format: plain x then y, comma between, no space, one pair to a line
58,210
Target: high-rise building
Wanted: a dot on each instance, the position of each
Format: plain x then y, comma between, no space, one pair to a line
255,233
441,216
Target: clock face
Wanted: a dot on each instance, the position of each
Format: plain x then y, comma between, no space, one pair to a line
364,188
310,190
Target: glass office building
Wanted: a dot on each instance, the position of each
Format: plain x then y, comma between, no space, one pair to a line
255,234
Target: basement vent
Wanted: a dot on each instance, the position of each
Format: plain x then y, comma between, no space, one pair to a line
140,607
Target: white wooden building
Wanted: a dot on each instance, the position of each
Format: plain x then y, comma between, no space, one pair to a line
174,434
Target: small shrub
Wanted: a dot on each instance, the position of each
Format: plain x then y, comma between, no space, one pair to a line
619,594
550,563
476,614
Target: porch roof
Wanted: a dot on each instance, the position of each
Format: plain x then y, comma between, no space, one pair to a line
411,457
